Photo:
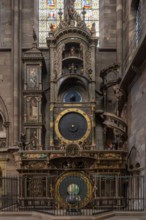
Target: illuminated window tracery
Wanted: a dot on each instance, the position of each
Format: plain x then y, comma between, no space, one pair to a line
48,14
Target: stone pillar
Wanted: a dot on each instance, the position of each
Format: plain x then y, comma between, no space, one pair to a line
107,24
52,84
92,77
144,178
16,70
51,126
119,10
52,93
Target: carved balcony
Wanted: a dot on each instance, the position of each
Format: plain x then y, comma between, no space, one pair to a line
114,122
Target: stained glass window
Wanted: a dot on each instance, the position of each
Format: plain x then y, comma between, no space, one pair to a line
139,22
48,15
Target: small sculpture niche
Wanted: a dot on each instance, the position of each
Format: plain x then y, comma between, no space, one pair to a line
72,63
72,50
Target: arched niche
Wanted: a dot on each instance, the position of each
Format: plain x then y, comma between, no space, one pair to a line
72,89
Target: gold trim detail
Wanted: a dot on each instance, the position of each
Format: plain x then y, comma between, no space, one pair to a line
66,112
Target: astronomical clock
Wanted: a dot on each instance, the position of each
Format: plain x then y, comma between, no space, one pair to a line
86,134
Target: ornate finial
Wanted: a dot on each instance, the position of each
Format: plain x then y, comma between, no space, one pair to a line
34,35
83,13
93,28
60,14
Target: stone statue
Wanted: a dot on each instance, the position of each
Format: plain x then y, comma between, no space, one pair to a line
52,27
34,35
93,29
23,141
72,51
68,4
69,11
34,141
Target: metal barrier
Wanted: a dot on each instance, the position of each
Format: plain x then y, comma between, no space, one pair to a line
123,193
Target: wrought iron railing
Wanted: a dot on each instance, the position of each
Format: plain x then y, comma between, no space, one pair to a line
120,193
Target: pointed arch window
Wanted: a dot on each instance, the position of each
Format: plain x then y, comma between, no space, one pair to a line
139,22
0,177
2,133
48,14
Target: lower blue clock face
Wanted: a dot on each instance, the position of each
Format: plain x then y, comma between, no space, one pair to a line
72,96
73,189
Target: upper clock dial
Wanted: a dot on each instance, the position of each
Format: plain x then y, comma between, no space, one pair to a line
72,96
72,125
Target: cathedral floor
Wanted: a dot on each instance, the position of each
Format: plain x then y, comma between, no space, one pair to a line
39,216
128,218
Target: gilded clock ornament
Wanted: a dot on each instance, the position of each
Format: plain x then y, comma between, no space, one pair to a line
72,150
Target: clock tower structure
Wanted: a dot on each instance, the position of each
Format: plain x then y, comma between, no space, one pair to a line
72,49
86,135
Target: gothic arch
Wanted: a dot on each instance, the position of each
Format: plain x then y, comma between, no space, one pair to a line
76,83
3,124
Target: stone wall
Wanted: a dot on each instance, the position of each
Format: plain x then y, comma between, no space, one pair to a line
5,23
137,115
29,20
17,20
107,23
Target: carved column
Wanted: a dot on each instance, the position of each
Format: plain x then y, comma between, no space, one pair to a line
92,78
33,98
52,88
15,52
